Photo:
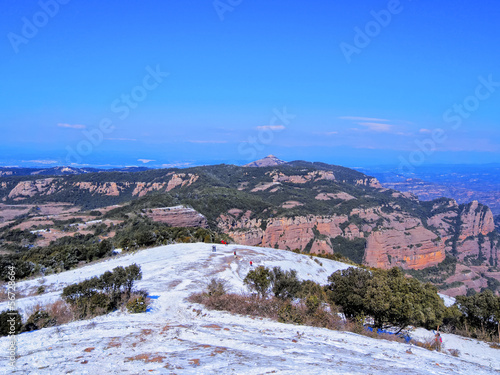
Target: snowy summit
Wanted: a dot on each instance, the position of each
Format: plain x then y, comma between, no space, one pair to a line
176,336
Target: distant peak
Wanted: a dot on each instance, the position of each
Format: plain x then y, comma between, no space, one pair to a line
268,161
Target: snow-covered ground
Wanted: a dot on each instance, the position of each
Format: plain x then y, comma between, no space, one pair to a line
183,338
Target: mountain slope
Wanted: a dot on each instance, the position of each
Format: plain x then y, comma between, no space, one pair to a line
185,338
313,207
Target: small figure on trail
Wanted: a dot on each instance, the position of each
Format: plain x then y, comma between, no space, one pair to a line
235,254
214,249
251,263
439,341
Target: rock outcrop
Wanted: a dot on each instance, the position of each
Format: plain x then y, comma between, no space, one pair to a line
392,239
26,189
416,248
181,179
106,188
48,186
476,219
178,216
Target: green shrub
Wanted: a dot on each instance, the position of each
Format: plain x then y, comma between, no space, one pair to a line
284,284
39,319
10,322
312,304
259,280
137,305
288,313
100,295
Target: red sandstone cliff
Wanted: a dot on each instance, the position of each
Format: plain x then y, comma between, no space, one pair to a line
393,239
178,216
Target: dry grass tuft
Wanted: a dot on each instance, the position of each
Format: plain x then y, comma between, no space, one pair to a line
146,358
114,343
195,362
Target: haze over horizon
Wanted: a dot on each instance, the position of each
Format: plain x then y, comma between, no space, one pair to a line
186,83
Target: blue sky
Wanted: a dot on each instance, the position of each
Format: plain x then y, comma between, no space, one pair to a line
164,83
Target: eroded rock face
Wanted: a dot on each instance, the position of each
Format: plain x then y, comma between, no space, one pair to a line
278,176
30,188
286,233
416,248
477,219
371,182
393,239
48,186
178,216
181,179
106,188
142,188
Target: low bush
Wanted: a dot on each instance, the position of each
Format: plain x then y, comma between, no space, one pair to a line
39,319
137,304
217,287
101,295
10,322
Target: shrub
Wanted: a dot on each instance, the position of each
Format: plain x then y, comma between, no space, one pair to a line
284,284
259,280
137,304
100,295
39,319
312,303
10,322
217,287
60,311
288,313
310,288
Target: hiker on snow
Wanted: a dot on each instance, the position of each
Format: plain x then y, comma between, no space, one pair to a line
439,341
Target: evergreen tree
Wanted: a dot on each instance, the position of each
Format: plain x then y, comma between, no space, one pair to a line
132,273
348,289
259,280
284,284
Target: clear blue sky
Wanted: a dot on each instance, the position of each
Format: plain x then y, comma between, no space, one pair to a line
291,78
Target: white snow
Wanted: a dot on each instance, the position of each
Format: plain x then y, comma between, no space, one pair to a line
448,301
184,338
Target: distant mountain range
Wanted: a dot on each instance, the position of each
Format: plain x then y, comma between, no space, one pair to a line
61,171
464,183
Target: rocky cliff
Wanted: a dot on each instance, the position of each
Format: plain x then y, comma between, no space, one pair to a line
178,216
392,239
49,186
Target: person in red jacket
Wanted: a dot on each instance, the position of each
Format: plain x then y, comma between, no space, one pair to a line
439,341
